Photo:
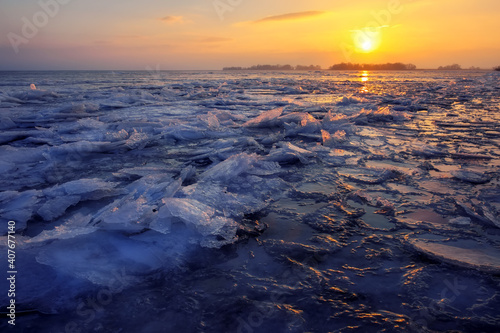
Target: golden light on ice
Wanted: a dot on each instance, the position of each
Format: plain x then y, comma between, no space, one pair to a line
364,76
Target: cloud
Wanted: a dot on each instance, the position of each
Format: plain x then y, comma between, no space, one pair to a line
290,16
103,42
173,19
215,40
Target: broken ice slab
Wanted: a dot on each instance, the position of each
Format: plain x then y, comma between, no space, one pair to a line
289,153
370,175
429,151
231,167
463,253
381,115
485,213
266,119
423,216
471,176
18,206
470,156
463,221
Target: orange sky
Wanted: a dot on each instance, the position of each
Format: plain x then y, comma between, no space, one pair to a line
210,34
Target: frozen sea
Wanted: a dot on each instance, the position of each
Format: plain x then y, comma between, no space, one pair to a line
323,201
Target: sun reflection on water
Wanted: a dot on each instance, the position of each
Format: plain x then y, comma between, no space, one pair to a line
364,76
364,79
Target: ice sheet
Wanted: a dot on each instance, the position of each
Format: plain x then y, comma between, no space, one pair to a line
213,192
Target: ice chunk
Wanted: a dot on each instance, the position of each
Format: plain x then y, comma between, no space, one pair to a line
383,114
59,198
482,213
139,208
74,227
242,199
145,171
37,95
137,140
20,155
348,100
307,125
163,221
223,232
296,117
471,176
264,168
78,109
189,211
89,123
127,215
303,118
210,120
241,142
18,206
82,148
87,188
216,230
7,123
429,151
464,253
116,136
372,175
230,168
333,140
470,156
55,208
335,118
90,189
186,133
289,153
272,138
266,119
113,105
188,173
460,221
9,100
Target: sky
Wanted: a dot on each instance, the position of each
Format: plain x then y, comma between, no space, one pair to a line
211,34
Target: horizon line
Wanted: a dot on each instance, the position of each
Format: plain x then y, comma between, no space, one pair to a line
222,70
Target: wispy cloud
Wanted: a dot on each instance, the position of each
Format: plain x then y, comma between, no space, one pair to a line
173,19
215,39
290,16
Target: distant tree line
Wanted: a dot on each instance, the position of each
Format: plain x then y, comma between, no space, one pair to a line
372,67
454,67
497,68
308,68
274,68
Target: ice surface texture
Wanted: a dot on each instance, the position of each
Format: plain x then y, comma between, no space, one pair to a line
356,190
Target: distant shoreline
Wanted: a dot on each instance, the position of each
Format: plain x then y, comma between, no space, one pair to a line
240,70
353,70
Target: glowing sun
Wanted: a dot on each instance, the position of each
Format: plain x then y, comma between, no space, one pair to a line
366,40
